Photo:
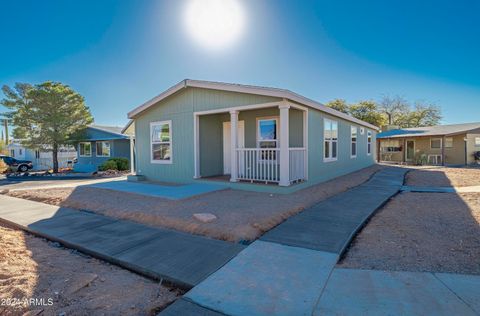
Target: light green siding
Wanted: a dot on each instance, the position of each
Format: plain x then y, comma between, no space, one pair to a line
180,108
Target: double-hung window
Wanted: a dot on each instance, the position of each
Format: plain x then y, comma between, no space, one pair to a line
330,135
477,141
267,137
103,149
435,143
369,142
85,149
161,141
353,133
448,142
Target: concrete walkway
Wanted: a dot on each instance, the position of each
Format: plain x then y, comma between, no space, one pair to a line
431,189
183,259
291,269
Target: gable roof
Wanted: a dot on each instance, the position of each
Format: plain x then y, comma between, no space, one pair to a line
438,130
265,91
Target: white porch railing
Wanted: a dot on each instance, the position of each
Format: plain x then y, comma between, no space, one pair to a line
263,164
297,164
258,164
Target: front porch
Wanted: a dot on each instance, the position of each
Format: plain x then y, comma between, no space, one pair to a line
261,143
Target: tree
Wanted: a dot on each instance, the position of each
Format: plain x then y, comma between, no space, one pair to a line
394,108
339,105
367,111
422,115
46,116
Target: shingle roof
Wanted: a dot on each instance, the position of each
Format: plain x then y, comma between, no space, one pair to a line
273,92
437,130
109,129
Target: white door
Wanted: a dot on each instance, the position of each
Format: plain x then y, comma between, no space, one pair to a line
226,144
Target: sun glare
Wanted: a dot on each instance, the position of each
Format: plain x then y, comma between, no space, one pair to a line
215,24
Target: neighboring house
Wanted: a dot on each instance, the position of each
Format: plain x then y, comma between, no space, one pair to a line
42,160
231,132
434,145
100,144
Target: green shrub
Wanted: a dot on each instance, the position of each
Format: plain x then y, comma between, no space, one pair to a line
108,165
122,163
115,164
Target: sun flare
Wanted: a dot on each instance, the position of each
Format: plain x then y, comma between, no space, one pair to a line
215,24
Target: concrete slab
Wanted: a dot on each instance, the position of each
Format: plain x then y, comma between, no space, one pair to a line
330,225
367,292
68,224
408,188
185,308
112,238
467,287
157,190
266,279
181,258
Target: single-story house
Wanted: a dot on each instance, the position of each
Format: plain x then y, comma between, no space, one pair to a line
434,145
99,144
41,159
238,133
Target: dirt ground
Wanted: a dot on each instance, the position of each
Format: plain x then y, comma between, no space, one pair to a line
241,215
69,283
444,176
435,232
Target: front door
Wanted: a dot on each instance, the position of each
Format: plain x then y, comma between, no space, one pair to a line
227,143
410,151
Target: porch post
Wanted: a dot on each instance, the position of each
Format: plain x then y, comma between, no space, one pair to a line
132,155
443,150
233,144
284,145
196,146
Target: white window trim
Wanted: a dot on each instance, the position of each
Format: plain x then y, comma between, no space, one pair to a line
109,149
369,142
329,159
436,138
277,129
351,142
79,151
163,162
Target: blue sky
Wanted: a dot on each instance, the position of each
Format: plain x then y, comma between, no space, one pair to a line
119,54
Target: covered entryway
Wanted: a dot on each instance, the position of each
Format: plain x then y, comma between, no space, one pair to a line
263,143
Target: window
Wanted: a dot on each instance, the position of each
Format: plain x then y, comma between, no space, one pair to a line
390,146
369,142
20,151
477,141
85,149
37,154
161,141
330,134
267,137
12,152
448,142
103,149
435,143
353,133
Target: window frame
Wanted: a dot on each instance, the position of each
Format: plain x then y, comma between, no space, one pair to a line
80,150
109,148
261,154
436,138
170,143
476,141
446,142
330,141
369,142
352,128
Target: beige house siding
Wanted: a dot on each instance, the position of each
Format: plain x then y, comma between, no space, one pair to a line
453,156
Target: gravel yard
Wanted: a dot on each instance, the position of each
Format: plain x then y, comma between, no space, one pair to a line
69,283
444,176
241,215
435,232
